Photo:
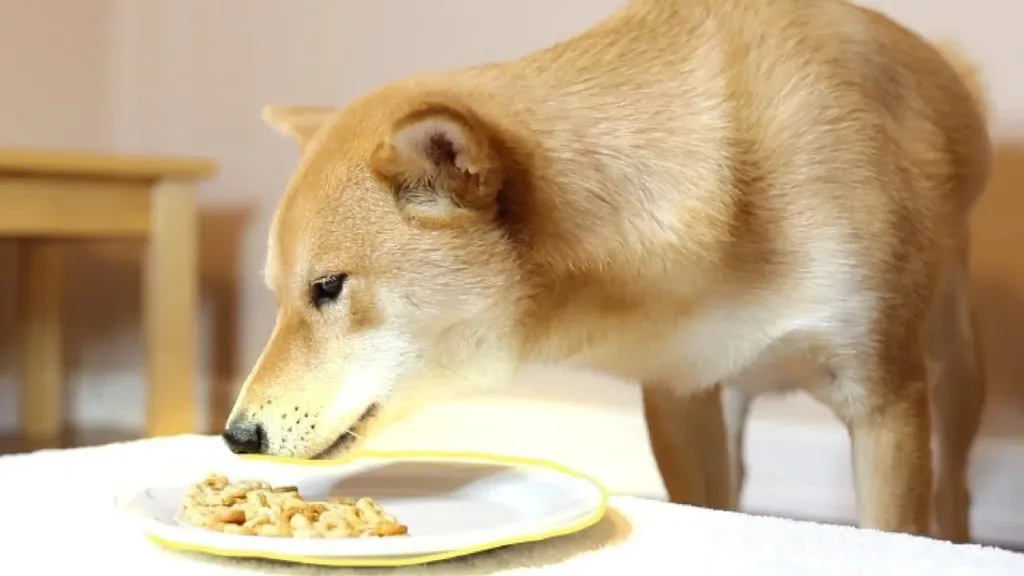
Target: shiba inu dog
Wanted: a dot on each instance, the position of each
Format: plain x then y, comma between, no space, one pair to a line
745,195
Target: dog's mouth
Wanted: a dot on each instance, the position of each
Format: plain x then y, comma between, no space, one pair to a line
348,436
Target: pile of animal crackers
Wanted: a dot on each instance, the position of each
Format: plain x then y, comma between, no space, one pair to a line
258,509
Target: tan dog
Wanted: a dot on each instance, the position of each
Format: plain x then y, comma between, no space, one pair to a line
764,194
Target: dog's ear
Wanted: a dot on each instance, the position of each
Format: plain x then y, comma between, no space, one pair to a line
298,122
441,163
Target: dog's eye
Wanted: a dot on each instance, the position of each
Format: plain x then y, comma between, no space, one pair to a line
327,289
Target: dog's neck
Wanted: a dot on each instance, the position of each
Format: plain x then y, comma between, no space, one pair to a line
608,201
599,181
581,197
596,227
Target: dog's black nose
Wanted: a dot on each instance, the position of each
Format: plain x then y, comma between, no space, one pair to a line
244,436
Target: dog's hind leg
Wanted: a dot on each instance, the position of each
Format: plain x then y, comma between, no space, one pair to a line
957,376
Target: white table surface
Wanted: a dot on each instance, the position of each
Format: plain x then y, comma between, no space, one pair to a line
59,515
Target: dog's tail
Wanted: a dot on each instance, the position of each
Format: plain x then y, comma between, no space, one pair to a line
969,73
971,78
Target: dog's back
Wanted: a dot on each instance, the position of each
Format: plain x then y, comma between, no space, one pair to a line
813,155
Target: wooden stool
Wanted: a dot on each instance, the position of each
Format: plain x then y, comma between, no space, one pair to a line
49,197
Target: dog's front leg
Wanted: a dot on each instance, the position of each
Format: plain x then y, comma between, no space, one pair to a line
689,442
891,444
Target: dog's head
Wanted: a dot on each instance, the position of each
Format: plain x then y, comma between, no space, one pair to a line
395,276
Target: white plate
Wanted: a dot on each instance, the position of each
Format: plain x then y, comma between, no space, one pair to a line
453,504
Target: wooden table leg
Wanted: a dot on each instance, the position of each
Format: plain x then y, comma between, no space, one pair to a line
42,378
171,308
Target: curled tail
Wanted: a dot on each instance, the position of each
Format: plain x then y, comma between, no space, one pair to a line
979,166
968,71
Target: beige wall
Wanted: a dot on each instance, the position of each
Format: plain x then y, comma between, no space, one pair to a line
190,76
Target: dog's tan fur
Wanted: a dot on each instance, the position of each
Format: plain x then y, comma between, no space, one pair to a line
763,194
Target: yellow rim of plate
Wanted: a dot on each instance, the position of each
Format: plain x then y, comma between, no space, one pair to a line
578,526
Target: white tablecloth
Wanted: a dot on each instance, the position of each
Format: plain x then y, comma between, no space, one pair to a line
58,515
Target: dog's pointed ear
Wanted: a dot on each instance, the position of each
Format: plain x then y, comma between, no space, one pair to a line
298,122
441,162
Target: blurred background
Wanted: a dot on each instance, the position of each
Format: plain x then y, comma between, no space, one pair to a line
189,77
